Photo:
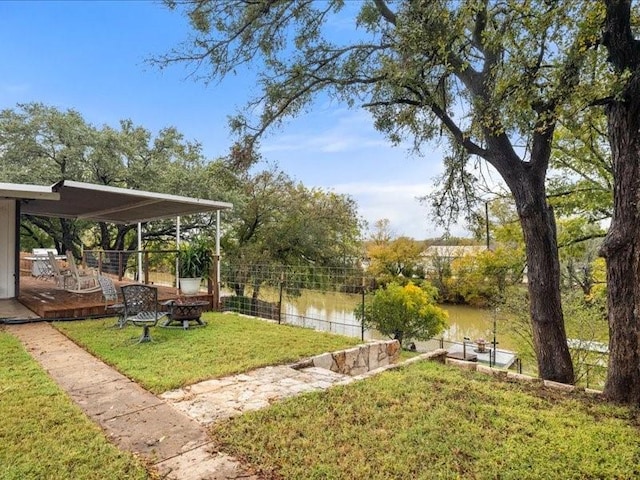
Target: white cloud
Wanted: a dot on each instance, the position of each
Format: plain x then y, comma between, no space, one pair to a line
397,202
338,149
329,130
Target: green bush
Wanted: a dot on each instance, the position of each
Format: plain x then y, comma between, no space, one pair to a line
404,312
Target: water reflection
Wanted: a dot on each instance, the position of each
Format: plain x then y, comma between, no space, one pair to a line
334,312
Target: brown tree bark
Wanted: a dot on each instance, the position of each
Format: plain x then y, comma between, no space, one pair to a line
543,276
621,249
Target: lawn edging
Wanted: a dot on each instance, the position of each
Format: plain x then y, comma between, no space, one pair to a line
373,358
518,377
355,361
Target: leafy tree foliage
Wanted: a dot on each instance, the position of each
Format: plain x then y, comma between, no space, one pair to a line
437,268
578,240
281,222
382,233
581,181
275,220
491,76
395,260
43,145
482,279
404,312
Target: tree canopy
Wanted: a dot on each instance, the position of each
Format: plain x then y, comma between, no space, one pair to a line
274,221
492,77
404,312
42,145
283,223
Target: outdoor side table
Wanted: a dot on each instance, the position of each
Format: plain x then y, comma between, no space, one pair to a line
185,312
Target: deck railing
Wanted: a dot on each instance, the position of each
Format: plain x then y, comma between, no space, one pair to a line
151,267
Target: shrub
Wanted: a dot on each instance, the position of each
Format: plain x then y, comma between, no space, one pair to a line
404,312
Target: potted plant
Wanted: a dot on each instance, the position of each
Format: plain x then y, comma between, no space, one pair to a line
194,259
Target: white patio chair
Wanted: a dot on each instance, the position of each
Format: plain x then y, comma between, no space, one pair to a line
84,281
60,275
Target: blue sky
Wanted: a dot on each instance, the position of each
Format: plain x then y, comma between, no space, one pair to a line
90,56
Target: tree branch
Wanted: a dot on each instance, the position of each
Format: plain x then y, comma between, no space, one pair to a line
385,11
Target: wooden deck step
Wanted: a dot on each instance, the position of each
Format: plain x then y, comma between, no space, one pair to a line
49,302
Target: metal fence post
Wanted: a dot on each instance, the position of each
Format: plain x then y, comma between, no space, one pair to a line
213,283
120,267
280,297
363,312
145,266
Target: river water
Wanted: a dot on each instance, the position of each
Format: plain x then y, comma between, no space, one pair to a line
334,311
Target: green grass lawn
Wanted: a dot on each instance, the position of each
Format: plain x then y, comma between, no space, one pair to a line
229,344
43,434
428,421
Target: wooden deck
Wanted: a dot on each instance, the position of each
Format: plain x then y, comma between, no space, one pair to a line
48,302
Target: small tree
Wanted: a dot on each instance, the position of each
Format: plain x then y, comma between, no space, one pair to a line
404,312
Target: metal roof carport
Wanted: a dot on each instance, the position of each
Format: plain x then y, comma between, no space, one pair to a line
69,199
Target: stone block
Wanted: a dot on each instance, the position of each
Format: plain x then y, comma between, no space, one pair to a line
393,351
484,369
519,377
339,362
471,366
323,361
563,387
439,355
501,374
374,357
362,360
358,371
591,391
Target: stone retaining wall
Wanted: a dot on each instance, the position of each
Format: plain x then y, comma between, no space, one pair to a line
357,360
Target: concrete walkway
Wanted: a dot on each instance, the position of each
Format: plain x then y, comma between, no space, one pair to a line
169,430
133,418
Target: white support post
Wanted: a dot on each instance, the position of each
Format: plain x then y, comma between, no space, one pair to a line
218,250
140,272
177,248
218,245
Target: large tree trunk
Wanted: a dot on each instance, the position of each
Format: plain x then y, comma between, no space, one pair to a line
620,248
543,275
526,181
68,237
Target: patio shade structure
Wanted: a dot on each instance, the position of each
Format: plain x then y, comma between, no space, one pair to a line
102,203
70,199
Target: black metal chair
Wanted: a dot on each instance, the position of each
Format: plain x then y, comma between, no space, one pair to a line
111,300
141,308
